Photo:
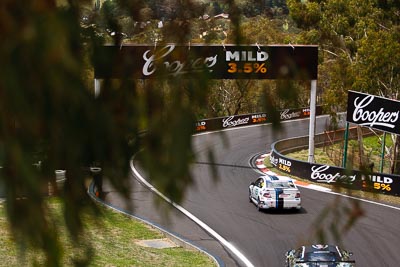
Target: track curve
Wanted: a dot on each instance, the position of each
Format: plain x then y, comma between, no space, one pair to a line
265,236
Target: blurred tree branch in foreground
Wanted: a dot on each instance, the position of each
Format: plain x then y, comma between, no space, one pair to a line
51,120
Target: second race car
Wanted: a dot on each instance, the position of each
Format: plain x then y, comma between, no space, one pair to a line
319,255
270,191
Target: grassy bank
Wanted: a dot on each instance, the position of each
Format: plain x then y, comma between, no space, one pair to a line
333,154
114,239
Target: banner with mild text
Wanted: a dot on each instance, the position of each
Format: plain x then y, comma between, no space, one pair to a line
381,183
233,121
211,61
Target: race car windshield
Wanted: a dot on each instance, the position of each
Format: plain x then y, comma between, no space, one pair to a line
282,185
325,257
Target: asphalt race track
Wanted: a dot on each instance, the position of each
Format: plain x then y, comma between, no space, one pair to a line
263,237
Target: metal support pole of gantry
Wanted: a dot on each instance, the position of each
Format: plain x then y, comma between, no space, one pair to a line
311,137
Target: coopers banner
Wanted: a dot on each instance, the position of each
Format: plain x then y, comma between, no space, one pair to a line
251,119
374,112
324,174
213,61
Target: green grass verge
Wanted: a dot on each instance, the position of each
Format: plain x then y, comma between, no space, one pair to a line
113,238
372,151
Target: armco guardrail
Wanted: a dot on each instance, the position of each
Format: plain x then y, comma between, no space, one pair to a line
360,180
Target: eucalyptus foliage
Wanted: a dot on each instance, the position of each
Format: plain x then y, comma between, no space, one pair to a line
50,118
359,44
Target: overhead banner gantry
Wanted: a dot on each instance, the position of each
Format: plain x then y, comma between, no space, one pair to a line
295,62
214,61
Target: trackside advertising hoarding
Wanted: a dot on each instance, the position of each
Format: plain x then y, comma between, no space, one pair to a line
331,175
212,61
374,112
251,119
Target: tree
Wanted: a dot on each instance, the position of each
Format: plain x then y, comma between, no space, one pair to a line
49,114
230,97
50,118
359,45
378,71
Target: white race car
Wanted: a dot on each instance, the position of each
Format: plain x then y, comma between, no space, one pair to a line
270,191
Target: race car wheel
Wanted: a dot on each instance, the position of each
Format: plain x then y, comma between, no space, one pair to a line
251,201
258,204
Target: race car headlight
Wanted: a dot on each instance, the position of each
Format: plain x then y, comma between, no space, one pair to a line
345,264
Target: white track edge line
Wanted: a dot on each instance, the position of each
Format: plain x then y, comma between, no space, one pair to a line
363,200
222,240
